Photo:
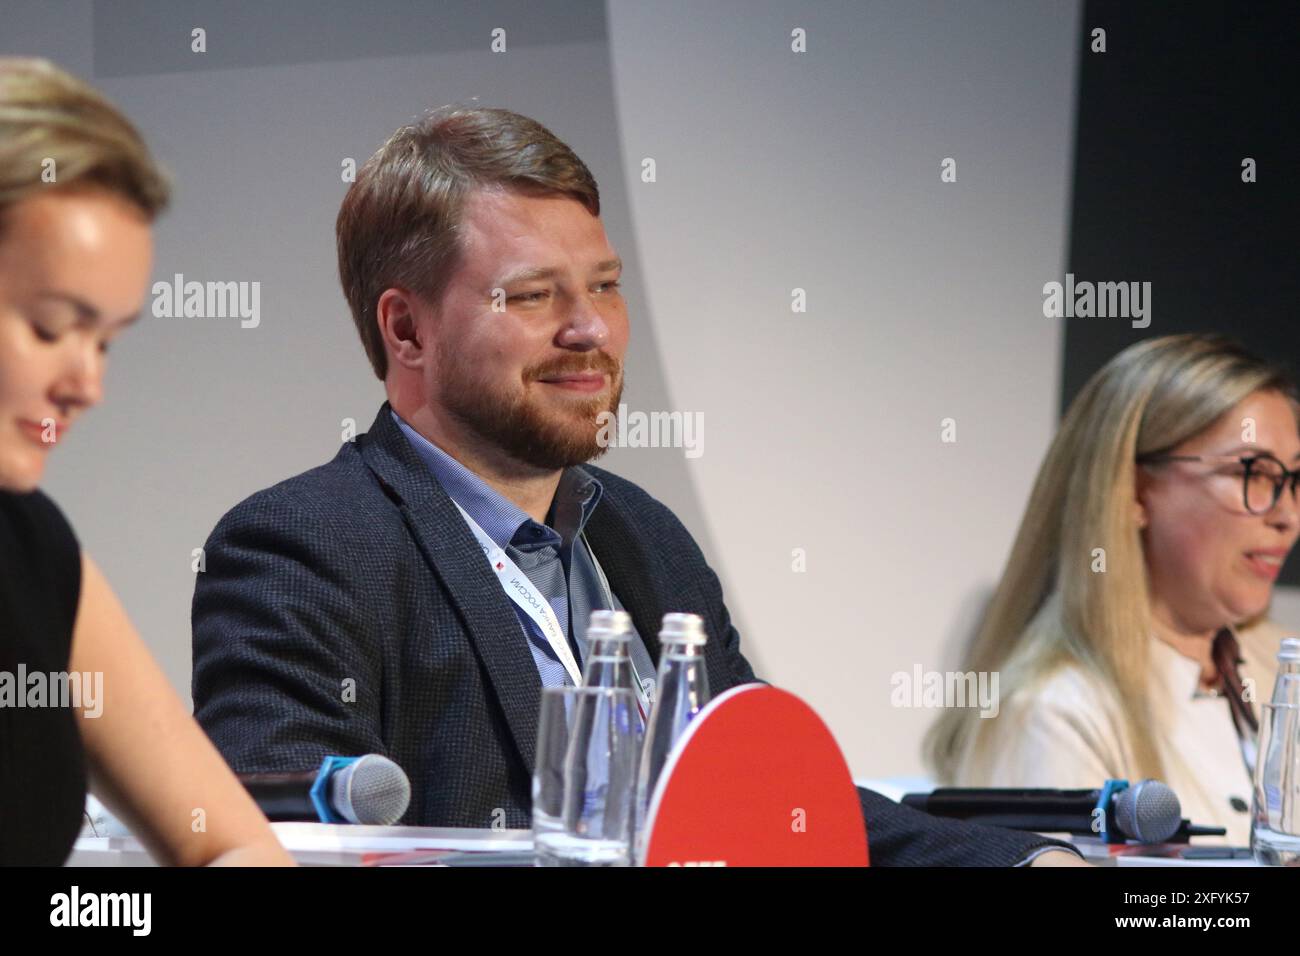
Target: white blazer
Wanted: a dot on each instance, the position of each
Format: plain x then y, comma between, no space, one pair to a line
1064,731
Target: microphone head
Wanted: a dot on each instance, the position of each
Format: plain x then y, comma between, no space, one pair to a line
372,790
1148,812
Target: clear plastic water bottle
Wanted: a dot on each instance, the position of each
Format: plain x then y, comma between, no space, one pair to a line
1275,810
609,658
1287,688
604,743
683,683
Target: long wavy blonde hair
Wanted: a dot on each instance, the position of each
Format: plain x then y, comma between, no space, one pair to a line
1049,609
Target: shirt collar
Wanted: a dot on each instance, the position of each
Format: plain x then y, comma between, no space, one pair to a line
500,518
1184,673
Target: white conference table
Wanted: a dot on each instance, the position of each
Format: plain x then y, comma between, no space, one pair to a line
324,844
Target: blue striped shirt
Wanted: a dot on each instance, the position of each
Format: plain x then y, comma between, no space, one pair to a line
550,554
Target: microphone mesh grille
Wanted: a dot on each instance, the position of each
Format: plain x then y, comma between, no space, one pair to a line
1148,811
377,791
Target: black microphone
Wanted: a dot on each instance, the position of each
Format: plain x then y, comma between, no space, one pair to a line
368,790
1148,811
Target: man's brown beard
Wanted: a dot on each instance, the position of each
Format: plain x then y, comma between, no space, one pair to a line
520,427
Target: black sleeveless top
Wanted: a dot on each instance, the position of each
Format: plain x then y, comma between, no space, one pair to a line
42,770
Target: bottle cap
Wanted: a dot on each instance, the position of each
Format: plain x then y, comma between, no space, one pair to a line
1290,650
679,628
610,626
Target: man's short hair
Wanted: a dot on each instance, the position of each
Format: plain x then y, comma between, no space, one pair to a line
400,222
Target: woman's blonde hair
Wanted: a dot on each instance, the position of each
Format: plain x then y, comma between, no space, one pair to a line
57,132
1050,608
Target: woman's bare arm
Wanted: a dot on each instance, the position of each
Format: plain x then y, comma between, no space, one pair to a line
148,761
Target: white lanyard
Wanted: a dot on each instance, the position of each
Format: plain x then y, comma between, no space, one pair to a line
520,590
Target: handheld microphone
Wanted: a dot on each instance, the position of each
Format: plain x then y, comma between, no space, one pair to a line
366,790
1148,811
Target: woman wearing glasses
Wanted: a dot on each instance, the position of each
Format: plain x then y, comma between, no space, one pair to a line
1130,629
81,700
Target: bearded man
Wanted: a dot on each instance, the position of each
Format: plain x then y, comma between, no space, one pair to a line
350,609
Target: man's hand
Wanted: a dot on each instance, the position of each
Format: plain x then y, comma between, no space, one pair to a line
1058,858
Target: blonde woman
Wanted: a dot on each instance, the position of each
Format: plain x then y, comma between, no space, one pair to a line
78,192
1129,629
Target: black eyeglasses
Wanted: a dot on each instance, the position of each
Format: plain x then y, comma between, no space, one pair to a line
1262,477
